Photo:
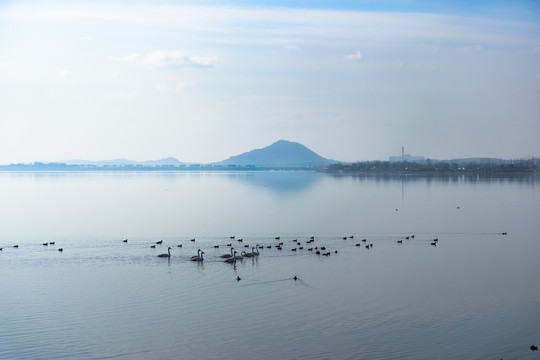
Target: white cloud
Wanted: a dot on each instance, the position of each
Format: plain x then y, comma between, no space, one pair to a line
168,58
291,47
357,56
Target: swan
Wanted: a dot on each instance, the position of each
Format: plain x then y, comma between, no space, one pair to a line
251,254
256,252
232,259
228,256
166,255
198,257
238,257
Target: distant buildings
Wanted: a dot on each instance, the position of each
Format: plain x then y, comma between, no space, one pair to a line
407,157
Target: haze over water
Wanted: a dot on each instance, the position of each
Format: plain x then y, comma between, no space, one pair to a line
473,296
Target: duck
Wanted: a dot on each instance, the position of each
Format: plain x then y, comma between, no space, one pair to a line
198,257
125,240
179,245
159,242
61,249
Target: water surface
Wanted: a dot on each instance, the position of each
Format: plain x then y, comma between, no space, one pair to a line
473,296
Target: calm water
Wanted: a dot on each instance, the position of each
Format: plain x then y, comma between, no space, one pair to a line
476,295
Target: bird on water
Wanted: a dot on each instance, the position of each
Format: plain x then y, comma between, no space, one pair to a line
198,257
168,253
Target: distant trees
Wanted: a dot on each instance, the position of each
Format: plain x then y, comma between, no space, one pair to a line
529,165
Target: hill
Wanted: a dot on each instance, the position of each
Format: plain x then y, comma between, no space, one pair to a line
281,154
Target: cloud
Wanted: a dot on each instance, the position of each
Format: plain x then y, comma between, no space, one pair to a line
291,47
167,59
357,56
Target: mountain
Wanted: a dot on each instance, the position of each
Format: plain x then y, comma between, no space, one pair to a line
170,161
281,154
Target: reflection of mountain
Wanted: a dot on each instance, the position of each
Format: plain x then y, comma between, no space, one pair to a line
279,181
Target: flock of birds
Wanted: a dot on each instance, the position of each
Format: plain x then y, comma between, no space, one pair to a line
234,255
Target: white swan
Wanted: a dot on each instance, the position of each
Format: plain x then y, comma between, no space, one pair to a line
232,259
166,255
227,256
251,254
198,257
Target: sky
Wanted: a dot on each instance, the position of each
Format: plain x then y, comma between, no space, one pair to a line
205,80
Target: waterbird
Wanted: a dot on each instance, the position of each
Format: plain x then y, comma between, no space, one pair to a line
238,278
251,254
231,260
504,233
198,257
533,347
153,246
0,249
406,238
323,247
229,244
293,249
232,237
125,240
15,246
247,245
344,238
51,243
364,240
238,257
60,249
216,246
159,242
277,238
227,256
434,243
295,278
179,245
192,240
326,254
240,240
367,246
436,239
351,237
45,244
400,241
168,253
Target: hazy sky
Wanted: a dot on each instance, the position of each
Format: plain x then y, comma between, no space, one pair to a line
204,80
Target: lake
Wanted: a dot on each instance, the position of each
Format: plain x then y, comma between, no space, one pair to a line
473,295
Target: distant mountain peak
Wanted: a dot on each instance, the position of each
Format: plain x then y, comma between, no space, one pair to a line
282,153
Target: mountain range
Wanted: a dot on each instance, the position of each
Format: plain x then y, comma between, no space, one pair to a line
281,154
